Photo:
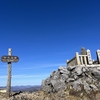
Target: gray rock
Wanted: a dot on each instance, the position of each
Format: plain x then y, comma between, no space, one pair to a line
60,68
86,87
78,70
98,77
96,73
56,75
47,81
64,76
52,74
89,80
99,85
47,88
83,69
70,68
63,70
70,80
43,82
76,85
58,85
53,82
78,78
94,81
94,87
60,93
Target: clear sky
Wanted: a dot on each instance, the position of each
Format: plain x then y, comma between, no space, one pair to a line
44,34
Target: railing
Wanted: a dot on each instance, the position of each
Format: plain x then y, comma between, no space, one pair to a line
84,59
80,59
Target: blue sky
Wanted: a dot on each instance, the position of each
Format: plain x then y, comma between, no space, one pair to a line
44,34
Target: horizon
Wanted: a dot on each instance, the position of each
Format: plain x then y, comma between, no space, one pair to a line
44,34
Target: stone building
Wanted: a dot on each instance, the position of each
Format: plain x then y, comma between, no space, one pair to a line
84,58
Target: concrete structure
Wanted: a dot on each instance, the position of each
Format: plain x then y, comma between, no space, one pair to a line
84,58
90,61
98,55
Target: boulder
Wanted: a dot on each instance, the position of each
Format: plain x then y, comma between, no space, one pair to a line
86,87
76,85
55,75
58,85
70,80
64,76
63,70
78,70
94,87
78,78
95,73
70,68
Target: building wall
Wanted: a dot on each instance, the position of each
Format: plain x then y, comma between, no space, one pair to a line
72,62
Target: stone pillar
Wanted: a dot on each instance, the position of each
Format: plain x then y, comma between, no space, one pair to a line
77,59
81,60
85,60
90,62
98,56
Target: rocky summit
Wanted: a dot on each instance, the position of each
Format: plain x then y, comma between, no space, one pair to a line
79,81
67,83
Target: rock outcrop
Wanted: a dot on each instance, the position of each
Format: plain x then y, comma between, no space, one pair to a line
78,80
67,83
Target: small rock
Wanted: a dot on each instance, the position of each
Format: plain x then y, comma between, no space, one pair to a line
70,68
78,70
70,80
